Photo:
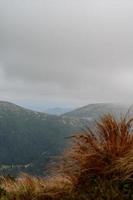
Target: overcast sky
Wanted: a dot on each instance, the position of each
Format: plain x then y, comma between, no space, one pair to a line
66,52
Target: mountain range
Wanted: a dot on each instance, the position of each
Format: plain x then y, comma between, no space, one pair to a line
29,139
94,111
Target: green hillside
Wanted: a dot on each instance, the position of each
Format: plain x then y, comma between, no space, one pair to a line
27,136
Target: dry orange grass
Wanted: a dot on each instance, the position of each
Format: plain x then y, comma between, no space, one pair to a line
124,167
93,153
32,188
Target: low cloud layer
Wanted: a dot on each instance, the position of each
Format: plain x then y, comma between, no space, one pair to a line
76,52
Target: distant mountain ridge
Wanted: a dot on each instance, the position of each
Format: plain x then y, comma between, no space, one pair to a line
94,111
29,139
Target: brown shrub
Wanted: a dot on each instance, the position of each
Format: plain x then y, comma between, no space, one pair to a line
94,152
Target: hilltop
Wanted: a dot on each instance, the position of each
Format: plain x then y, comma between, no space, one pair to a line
92,112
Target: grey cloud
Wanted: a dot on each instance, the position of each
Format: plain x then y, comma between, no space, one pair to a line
67,49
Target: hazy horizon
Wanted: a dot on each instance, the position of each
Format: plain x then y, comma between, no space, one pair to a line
50,108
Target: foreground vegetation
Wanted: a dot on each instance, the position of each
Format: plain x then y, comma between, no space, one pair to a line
97,166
